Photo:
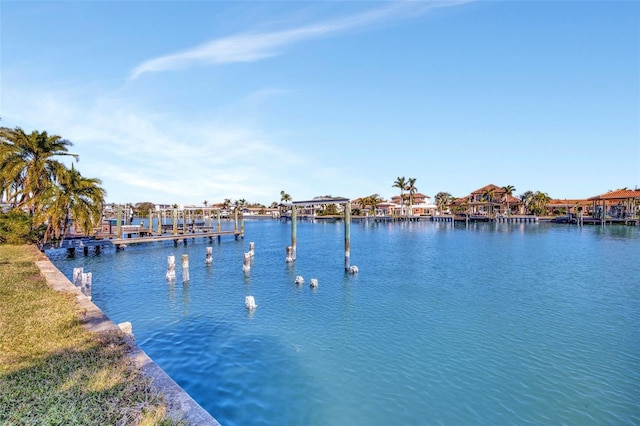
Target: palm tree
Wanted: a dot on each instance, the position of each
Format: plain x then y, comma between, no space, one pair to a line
71,196
487,197
412,188
442,199
284,197
401,183
27,164
526,198
539,202
508,191
364,202
374,200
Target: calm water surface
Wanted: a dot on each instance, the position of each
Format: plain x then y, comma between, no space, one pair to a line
490,324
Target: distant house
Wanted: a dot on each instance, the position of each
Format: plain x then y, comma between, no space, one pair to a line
261,211
621,203
568,206
487,201
386,209
421,205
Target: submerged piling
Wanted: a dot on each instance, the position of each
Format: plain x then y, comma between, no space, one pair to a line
250,303
209,258
77,276
85,286
185,268
171,267
246,265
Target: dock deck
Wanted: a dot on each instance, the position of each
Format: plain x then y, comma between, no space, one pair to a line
151,238
140,236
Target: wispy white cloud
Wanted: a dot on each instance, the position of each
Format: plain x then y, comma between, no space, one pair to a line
251,47
145,156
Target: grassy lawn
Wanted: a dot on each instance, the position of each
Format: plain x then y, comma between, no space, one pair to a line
52,370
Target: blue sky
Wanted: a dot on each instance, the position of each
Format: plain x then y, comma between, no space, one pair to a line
181,102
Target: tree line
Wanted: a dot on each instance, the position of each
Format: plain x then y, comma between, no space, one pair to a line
42,193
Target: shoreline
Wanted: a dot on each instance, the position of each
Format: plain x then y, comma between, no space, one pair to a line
180,405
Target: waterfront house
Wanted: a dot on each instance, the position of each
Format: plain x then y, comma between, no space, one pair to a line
619,204
487,201
421,205
574,206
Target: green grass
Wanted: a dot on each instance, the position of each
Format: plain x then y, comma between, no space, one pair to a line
55,372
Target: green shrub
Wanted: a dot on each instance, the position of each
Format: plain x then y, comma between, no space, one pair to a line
15,228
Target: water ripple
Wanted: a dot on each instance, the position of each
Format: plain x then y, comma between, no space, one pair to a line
491,324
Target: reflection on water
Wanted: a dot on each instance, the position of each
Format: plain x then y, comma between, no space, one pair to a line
445,323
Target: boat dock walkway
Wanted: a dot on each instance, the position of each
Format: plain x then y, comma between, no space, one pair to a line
151,238
138,236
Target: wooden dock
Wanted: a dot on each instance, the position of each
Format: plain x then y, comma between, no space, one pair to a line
152,238
100,241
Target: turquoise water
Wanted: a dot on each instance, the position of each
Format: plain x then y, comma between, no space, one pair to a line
490,324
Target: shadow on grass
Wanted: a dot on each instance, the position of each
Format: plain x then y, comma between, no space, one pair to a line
93,385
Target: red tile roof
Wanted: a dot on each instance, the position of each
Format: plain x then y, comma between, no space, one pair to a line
619,194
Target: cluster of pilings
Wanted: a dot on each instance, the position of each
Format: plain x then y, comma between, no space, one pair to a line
171,266
82,280
181,221
290,255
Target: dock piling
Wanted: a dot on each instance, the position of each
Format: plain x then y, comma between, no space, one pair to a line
347,236
246,265
171,268
209,258
85,286
294,229
185,268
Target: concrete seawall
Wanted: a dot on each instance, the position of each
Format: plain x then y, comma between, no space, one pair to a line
180,405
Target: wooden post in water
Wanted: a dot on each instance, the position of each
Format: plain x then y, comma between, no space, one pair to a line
85,287
150,222
235,222
185,268
246,264
209,259
171,268
289,256
252,247
468,212
159,227
250,303
119,221
219,228
174,221
347,236
294,230
77,276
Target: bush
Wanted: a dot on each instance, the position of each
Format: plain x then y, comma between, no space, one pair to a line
15,228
